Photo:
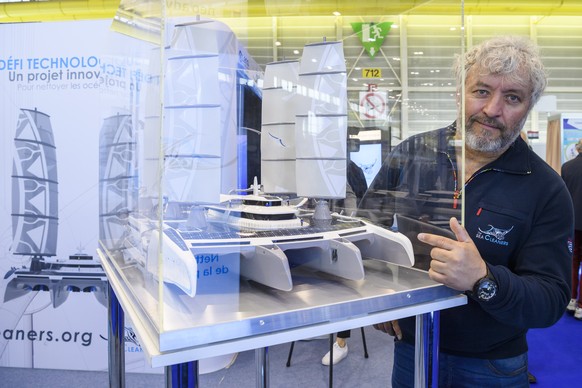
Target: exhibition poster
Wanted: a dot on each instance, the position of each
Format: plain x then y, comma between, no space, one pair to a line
571,134
58,83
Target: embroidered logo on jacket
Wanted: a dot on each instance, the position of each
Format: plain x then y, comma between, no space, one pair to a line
494,235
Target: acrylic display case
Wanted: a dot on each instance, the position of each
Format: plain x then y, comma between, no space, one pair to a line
230,215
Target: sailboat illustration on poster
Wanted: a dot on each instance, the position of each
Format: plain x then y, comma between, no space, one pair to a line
35,220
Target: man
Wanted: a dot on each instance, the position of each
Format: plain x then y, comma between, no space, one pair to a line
512,256
572,174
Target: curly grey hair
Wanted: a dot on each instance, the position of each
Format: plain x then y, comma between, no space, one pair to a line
511,56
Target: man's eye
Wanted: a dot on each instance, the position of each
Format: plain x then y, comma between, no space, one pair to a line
513,98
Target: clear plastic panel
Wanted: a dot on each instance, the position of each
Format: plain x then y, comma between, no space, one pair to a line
257,158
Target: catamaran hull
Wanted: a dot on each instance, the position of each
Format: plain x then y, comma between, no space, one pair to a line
267,257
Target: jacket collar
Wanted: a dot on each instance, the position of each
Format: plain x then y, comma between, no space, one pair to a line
516,160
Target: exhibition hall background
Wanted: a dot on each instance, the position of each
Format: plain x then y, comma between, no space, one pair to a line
413,80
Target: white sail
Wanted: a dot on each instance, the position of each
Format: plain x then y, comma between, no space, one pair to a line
198,115
321,122
278,152
192,126
187,152
34,186
148,150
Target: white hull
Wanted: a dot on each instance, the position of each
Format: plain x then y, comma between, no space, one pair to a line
267,256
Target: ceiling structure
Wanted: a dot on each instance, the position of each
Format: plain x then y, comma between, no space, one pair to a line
14,11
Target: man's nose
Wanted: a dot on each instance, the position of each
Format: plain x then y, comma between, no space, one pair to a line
494,105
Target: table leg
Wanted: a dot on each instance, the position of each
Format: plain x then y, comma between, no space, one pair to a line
435,348
262,363
331,342
182,375
116,342
426,350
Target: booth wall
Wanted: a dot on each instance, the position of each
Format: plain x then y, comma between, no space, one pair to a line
63,70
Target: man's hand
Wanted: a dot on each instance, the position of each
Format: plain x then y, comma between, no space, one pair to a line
390,327
456,264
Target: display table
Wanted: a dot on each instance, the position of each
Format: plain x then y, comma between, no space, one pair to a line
258,317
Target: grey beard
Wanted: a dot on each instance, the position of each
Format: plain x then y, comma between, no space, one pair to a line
482,144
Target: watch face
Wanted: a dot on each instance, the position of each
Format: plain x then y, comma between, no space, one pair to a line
486,289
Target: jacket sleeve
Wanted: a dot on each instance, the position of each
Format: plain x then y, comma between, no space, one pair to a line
535,289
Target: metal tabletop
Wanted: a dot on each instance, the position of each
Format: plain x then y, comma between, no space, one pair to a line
182,329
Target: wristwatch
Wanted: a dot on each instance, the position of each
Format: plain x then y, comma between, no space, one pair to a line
485,288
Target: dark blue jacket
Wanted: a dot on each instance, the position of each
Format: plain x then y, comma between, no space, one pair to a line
520,216
572,175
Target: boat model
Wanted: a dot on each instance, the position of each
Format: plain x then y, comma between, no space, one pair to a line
272,236
271,227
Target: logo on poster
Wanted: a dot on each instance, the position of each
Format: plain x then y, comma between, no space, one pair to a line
52,73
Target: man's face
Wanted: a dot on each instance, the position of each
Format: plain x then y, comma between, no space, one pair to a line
496,109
